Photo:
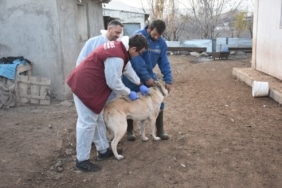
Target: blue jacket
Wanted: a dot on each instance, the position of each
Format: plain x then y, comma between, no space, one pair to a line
146,62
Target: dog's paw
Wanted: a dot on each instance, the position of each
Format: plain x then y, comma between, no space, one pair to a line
157,138
144,138
119,157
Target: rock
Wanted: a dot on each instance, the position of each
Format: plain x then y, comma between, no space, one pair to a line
196,54
70,151
67,103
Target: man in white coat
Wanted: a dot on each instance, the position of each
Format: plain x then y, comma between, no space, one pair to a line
113,32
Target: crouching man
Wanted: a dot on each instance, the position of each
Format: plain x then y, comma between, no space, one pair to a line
144,66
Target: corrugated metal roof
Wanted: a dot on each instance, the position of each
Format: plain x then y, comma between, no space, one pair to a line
117,5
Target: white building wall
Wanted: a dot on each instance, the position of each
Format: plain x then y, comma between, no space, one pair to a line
46,33
126,17
267,41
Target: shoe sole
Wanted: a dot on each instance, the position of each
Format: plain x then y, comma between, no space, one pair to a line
131,138
103,159
109,157
97,168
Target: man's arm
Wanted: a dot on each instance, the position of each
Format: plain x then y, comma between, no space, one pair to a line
131,74
89,46
113,73
140,68
164,65
165,68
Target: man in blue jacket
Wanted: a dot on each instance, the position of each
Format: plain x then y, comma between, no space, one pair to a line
144,65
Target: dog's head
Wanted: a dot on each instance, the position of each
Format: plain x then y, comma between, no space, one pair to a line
162,88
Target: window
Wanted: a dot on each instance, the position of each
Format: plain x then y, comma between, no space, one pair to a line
82,22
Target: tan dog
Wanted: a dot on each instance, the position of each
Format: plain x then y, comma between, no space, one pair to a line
146,107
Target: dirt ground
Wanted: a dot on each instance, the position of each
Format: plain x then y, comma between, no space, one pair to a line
220,136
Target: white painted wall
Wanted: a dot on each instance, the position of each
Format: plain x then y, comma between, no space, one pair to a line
267,41
125,13
46,33
126,17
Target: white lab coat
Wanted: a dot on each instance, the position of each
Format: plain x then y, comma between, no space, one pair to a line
88,122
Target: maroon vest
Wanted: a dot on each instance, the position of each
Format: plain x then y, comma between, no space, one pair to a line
88,82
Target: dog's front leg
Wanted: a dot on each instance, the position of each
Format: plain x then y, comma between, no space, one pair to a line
142,131
153,129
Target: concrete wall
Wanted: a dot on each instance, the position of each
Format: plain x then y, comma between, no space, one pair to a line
267,41
45,32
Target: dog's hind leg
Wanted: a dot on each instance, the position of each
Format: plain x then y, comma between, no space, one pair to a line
142,131
119,129
152,123
110,135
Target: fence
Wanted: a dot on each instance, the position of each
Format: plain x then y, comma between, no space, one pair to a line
213,45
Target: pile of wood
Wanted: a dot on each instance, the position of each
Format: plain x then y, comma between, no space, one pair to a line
34,90
24,89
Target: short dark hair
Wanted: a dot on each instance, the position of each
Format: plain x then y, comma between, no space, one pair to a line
115,23
159,25
138,41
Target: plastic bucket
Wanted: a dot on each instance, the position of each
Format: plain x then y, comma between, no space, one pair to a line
260,89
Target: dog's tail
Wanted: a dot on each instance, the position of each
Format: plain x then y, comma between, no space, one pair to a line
110,134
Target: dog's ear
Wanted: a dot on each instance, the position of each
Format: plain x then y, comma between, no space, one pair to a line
161,87
160,84
157,83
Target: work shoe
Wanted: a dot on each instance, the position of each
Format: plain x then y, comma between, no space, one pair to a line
87,166
163,136
130,131
109,153
159,125
130,137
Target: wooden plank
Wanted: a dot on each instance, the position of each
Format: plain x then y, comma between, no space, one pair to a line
45,91
24,68
34,90
188,49
243,49
34,97
23,89
34,82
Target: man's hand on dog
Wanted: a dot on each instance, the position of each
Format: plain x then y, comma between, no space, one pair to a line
133,96
168,87
144,90
150,82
